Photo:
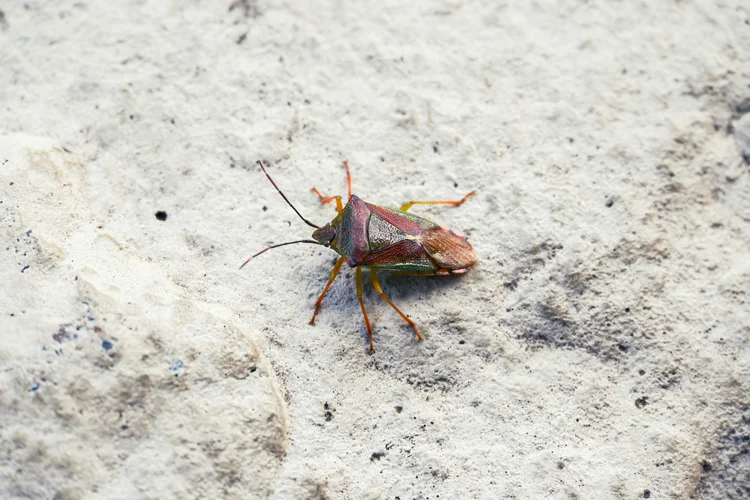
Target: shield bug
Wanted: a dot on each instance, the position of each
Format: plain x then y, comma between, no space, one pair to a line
379,238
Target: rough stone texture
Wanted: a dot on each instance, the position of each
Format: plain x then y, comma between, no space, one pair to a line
601,349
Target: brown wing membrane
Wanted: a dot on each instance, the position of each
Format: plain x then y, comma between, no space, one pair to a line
447,249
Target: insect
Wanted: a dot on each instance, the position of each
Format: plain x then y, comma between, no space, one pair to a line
379,238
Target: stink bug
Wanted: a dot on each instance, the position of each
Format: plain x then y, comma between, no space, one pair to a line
379,238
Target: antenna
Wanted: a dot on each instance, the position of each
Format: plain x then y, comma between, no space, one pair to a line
277,246
285,198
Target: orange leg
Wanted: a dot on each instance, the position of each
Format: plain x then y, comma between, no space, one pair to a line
348,179
327,199
325,290
380,291
358,280
406,206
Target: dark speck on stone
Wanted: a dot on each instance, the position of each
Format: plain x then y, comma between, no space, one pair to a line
11,183
161,215
329,416
399,409
265,208
107,345
641,402
610,202
24,268
646,493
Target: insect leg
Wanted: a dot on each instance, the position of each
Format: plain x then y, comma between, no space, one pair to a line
348,178
406,206
380,291
327,199
358,279
319,302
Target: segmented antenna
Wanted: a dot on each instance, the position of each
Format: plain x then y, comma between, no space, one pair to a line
279,245
285,198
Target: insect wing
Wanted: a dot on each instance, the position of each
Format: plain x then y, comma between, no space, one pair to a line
406,256
448,249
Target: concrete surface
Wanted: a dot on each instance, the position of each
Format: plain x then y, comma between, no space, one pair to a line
600,349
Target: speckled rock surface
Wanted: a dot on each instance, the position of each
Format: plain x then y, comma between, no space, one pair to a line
601,348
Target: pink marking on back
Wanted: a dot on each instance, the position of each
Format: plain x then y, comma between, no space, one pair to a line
351,238
401,222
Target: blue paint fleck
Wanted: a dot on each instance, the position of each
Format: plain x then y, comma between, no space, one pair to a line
107,345
178,365
62,334
34,387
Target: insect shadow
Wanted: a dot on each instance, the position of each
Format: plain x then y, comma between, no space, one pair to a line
405,286
368,236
